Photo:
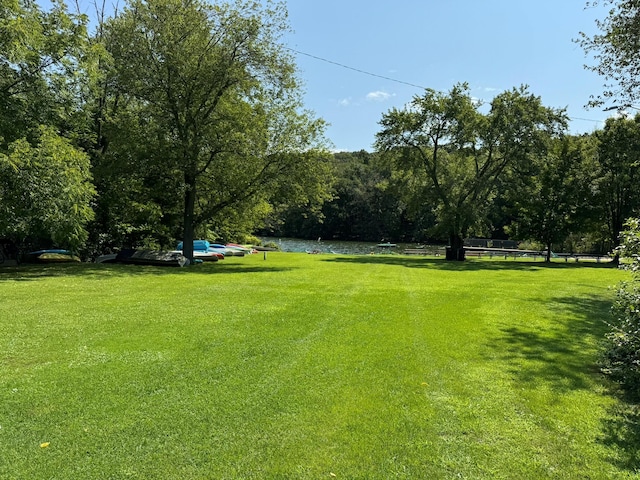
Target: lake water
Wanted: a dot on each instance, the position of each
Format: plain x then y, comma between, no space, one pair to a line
334,246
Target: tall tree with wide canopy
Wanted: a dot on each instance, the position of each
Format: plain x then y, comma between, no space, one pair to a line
460,152
217,105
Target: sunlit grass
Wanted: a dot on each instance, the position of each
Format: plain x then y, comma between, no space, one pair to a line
308,366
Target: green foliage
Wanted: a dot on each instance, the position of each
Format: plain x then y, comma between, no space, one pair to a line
554,198
367,203
45,191
617,176
44,66
622,351
460,153
214,101
616,52
45,184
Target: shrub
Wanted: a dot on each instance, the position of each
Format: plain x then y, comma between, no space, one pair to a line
272,245
621,356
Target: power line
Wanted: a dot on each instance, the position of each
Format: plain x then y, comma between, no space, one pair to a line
356,69
586,119
364,72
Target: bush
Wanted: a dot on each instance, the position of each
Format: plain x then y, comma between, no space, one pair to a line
250,240
273,245
621,356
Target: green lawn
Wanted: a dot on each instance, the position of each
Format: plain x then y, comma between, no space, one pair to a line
309,367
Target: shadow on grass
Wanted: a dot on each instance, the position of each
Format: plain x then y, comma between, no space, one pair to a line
560,355
29,272
466,266
621,431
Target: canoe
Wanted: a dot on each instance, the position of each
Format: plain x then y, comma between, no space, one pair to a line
198,245
260,248
107,258
152,257
51,256
204,256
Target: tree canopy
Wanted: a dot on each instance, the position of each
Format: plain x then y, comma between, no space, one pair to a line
45,181
555,197
215,107
617,195
460,152
616,52
46,191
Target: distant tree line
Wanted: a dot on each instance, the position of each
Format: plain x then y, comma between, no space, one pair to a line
569,193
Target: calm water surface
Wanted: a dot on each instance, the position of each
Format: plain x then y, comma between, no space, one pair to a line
334,246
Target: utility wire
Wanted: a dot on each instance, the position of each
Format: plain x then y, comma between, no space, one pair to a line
356,69
392,79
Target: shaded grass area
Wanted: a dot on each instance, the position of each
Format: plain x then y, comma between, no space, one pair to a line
310,366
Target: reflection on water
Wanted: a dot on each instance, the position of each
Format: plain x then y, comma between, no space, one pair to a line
334,246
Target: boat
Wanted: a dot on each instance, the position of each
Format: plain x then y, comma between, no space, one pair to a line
204,256
241,248
237,250
219,248
260,248
206,251
152,257
51,256
107,258
198,245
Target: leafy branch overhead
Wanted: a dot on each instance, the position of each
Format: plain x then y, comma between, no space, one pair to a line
615,51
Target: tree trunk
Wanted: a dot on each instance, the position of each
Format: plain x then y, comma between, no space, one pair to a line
455,250
616,258
189,208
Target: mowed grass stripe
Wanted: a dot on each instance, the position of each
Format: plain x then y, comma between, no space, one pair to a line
300,366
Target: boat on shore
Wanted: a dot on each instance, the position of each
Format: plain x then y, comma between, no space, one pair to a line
208,256
151,257
51,256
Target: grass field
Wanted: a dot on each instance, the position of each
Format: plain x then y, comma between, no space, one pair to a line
309,367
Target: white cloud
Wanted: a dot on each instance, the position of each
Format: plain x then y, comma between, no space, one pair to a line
345,102
379,96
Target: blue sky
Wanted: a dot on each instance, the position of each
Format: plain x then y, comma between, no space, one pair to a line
493,45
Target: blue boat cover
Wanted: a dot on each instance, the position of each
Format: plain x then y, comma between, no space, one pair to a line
198,245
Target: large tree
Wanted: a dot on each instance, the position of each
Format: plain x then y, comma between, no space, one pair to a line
554,198
45,62
217,106
616,51
460,152
617,191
